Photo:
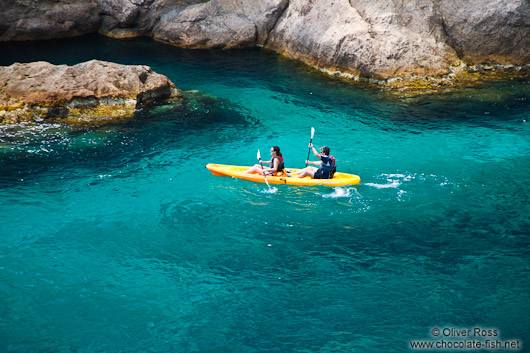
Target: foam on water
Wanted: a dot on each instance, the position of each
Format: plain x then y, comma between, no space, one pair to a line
270,190
394,184
340,192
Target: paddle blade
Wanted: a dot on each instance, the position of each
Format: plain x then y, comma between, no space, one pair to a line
312,132
259,155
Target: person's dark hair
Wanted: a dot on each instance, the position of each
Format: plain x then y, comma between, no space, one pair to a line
325,150
277,149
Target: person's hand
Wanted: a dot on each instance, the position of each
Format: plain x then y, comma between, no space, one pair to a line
307,162
310,145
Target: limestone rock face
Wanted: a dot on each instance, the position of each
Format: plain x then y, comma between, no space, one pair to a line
127,18
375,39
219,23
45,19
488,31
384,39
88,91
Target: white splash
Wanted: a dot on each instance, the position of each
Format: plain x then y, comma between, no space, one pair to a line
341,192
394,184
394,181
272,190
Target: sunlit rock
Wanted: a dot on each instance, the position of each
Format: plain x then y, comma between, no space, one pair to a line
90,91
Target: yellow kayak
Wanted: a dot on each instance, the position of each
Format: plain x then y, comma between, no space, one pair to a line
235,171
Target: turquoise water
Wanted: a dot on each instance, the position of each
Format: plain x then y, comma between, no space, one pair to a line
117,239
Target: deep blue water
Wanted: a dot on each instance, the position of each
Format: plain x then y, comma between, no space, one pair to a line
117,239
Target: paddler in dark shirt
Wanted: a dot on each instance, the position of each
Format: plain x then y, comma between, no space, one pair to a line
326,165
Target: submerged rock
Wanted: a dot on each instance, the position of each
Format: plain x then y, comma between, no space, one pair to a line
90,91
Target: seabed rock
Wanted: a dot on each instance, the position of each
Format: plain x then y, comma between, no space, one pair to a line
87,92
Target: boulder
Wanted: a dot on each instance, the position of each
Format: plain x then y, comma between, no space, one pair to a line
90,91
219,23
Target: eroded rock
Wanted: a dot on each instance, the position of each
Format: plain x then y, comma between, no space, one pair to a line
371,39
382,39
93,90
219,23
45,19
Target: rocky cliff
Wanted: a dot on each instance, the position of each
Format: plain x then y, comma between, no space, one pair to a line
88,91
374,39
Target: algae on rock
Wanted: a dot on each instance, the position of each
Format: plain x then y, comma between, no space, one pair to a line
90,91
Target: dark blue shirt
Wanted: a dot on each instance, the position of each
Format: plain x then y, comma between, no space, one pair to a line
327,163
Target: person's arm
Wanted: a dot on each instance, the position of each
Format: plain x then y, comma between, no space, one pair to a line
314,163
315,152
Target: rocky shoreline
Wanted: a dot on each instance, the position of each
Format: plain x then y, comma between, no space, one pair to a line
389,42
93,91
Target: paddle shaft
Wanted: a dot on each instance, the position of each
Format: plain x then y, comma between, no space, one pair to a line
309,152
266,181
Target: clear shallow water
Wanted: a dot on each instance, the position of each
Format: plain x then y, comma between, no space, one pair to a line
118,239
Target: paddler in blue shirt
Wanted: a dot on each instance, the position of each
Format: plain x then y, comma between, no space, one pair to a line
326,165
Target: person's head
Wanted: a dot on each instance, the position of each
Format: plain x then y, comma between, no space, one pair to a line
275,150
324,150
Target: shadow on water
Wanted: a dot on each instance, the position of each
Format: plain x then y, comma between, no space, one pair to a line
247,68
489,102
28,150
